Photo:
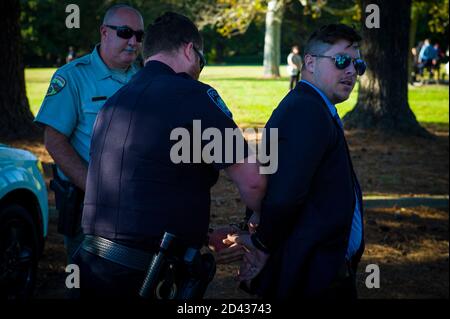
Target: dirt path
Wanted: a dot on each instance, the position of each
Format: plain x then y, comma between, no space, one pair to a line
410,246
405,182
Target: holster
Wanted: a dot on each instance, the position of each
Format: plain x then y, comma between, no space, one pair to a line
69,204
178,272
198,274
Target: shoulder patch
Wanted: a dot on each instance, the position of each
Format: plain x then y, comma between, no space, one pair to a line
215,97
56,85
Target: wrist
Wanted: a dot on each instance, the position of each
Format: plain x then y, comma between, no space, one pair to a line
258,243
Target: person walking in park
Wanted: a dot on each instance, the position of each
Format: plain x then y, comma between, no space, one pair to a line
427,55
294,62
71,55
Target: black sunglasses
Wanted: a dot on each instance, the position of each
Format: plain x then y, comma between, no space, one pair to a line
341,61
201,58
125,32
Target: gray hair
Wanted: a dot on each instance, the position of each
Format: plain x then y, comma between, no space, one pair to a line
111,12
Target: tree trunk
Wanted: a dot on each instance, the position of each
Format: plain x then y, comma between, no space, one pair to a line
272,39
16,119
383,91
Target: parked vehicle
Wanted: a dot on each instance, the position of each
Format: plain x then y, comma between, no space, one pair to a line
23,221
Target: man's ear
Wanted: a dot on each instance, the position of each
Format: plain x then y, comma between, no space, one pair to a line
187,51
103,31
309,63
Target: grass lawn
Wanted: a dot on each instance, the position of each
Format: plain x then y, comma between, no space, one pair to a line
252,98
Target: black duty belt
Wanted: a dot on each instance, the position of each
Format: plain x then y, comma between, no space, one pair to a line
117,253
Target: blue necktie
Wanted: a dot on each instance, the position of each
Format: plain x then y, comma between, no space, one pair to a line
356,228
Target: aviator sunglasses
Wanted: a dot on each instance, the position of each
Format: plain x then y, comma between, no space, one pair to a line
341,61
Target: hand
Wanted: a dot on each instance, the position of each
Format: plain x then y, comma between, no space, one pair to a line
251,265
253,222
225,253
254,260
217,236
230,254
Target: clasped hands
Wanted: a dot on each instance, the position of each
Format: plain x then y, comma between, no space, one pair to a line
231,244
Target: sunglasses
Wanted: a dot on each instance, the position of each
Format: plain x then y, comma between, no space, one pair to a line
125,32
341,61
201,58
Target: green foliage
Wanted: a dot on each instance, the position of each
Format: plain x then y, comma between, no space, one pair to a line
439,13
235,16
433,18
46,38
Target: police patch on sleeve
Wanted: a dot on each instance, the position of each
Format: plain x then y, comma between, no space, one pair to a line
56,85
219,102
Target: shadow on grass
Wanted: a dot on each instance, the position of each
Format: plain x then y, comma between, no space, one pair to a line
435,126
407,224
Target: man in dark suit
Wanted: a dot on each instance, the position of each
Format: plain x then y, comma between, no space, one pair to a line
308,238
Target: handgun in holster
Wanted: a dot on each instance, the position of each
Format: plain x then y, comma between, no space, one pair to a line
178,272
69,204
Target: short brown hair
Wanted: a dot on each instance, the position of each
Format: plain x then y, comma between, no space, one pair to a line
322,39
168,32
326,36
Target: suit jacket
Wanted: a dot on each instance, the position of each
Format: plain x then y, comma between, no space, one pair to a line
307,213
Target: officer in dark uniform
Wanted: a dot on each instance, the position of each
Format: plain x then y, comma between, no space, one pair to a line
138,189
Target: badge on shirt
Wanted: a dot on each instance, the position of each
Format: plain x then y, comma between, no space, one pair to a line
56,85
219,102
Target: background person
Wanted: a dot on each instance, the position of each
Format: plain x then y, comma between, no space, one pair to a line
294,62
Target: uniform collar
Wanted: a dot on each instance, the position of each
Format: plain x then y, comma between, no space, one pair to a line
102,71
157,67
